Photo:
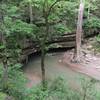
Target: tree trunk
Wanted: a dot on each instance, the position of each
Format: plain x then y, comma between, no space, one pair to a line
5,74
89,10
30,12
5,65
79,33
43,65
43,42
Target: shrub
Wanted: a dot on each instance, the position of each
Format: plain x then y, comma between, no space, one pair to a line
58,90
2,96
16,82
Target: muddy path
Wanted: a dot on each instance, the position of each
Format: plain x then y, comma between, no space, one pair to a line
90,65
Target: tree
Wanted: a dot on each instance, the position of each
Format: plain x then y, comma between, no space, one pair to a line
79,32
44,21
3,54
46,13
12,30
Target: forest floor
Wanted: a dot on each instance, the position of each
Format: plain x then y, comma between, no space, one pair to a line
90,60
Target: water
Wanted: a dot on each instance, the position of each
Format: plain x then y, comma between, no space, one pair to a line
54,69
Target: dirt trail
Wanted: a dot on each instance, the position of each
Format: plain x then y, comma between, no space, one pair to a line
90,65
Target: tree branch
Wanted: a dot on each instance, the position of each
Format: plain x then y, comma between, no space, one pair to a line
51,7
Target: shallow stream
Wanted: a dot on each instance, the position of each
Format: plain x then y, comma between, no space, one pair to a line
54,69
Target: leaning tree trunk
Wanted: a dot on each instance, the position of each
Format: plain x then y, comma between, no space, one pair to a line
79,33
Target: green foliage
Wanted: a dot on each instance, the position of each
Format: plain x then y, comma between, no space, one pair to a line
92,19
16,82
98,38
36,93
60,29
88,88
92,25
96,44
2,96
61,91
58,90
15,27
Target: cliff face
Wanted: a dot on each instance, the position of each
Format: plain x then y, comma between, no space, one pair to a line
65,41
